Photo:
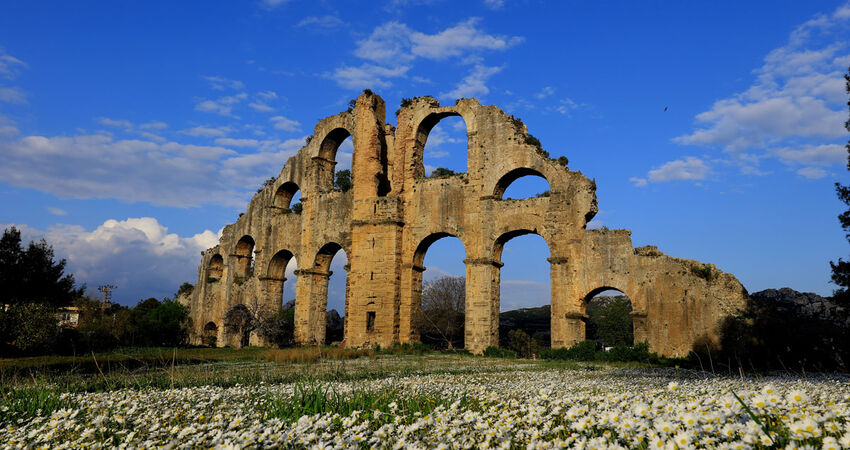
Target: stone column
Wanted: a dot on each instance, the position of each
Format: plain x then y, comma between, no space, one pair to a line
411,302
311,306
273,292
481,328
641,333
563,329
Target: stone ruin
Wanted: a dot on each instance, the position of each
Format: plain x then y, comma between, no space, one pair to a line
386,222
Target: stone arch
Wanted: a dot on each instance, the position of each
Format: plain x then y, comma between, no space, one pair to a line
499,243
244,257
324,163
330,144
210,334
495,268
638,318
312,299
276,277
284,194
414,276
515,174
423,130
215,268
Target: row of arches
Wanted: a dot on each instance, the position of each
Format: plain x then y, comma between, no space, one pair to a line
514,290
442,142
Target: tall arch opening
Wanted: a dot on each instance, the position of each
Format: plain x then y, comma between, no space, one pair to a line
287,198
442,145
215,268
521,183
330,272
525,295
439,291
244,257
276,277
609,320
335,153
210,334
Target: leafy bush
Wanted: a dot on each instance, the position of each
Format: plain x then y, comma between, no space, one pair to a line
581,351
496,352
342,180
524,345
442,172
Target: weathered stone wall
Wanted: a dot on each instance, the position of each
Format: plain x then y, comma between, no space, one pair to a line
387,221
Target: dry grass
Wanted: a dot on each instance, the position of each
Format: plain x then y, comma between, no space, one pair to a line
313,354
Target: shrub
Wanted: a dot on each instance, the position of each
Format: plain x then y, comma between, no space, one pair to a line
496,352
581,351
441,172
524,345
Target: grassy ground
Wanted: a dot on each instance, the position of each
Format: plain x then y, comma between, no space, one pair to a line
346,398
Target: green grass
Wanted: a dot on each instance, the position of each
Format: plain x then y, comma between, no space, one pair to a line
17,405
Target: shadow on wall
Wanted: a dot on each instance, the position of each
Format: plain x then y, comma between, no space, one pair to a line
781,330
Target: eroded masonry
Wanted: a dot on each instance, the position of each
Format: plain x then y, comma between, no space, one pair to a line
393,213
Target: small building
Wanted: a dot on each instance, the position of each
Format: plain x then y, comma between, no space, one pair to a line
68,316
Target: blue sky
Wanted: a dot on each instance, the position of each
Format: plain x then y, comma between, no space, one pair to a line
132,132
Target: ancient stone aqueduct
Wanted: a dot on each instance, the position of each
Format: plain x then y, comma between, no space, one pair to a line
393,213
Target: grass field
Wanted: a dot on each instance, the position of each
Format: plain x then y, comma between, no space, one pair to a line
362,399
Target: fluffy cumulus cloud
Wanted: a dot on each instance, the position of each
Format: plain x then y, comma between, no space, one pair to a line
138,170
10,66
795,109
687,169
391,49
138,255
474,84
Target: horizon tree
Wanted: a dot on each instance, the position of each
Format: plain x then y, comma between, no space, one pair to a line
841,269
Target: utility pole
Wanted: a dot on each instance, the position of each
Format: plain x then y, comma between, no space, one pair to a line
106,290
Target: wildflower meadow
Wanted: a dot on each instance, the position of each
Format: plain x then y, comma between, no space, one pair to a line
438,402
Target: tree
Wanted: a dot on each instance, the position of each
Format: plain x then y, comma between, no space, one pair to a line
185,288
441,316
240,321
33,275
342,181
279,328
841,269
609,321
441,172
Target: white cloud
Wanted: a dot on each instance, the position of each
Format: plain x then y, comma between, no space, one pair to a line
153,126
271,4
794,110
812,173
282,123
8,128
367,76
130,170
392,42
9,65
138,255
690,168
204,131
321,23
57,211
473,84
494,4
545,92
260,107
12,95
222,106
819,155
228,142
221,83
115,123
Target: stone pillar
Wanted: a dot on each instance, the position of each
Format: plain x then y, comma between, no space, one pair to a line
411,302
311,304
273,292
639,327
481,328
563,330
